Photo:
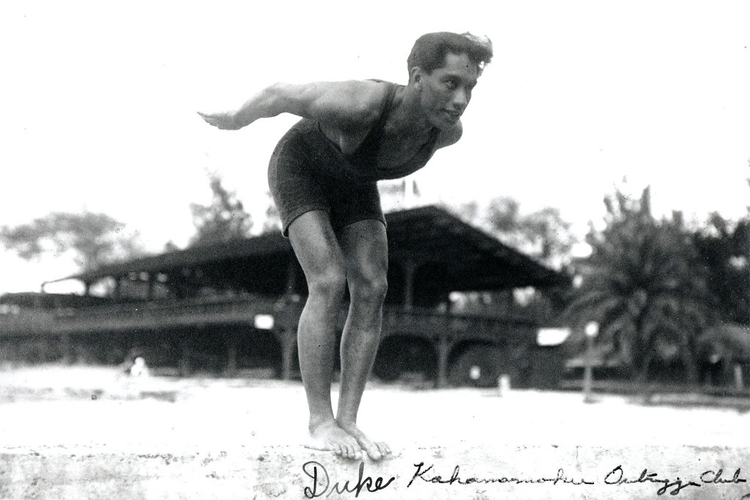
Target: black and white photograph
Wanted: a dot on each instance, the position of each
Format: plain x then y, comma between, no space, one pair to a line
400,250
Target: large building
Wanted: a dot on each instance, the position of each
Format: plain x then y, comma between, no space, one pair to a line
234,306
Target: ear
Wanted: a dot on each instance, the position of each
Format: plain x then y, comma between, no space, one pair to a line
415,76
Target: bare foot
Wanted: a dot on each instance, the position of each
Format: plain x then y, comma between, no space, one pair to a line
330,437
375,450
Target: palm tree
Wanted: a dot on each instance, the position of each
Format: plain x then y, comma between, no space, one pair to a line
644,285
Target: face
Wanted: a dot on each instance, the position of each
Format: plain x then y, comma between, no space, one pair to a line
445,93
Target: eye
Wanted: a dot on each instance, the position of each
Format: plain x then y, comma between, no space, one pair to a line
451,84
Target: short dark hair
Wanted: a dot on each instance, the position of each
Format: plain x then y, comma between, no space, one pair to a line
429,50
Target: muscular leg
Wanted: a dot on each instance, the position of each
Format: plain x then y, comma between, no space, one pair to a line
322,261
365,248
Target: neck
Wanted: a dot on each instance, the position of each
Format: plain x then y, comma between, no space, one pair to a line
407,114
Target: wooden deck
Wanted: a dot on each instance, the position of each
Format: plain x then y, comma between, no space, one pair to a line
442,330
424,323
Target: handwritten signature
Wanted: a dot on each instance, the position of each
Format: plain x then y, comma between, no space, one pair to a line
323,485
321,482
456,478
673,486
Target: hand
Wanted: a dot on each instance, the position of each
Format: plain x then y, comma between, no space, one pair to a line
221,120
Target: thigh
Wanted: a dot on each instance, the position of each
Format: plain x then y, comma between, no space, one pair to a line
351,203
293,182
364,245
315,244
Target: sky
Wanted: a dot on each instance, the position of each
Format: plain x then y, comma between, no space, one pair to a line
99,103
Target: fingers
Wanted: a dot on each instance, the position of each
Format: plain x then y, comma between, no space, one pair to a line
217,121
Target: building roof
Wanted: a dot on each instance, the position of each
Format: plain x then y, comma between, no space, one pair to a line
466,257
451,255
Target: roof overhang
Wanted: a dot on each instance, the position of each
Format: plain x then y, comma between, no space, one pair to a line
454,255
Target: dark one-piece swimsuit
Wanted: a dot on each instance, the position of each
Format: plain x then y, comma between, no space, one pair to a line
308,172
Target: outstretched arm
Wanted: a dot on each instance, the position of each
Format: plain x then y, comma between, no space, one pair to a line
338,104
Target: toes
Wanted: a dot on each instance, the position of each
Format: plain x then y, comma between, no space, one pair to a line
374,453
346,450
378,451
354,451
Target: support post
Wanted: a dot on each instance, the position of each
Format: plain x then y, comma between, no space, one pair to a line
66,349
231,342
288,345
118,287
291,276
185,366
410,268
443,349
588,375
739,383
151,285
591,330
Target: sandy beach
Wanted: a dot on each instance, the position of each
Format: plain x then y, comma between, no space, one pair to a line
57,412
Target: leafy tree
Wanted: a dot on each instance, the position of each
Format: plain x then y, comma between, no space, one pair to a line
272,222
225,219
724,248
171,246
93,238
645,286
543,235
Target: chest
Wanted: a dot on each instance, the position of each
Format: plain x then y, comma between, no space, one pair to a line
390,147
397,149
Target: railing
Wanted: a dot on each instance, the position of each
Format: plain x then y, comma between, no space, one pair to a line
26,322
153,315
138,315
204,311
433,324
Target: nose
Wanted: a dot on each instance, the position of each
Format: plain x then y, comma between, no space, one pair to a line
461,98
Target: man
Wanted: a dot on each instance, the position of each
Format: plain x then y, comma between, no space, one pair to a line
323,176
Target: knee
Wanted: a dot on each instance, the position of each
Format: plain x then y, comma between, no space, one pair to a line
329,283
370,288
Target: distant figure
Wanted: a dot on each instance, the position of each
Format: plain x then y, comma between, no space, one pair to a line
139,368
323,177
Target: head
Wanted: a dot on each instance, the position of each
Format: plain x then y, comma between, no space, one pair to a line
443,70
430,50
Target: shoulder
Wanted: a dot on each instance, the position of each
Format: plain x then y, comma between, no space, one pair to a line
354,103
450,136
